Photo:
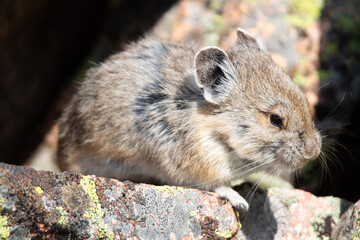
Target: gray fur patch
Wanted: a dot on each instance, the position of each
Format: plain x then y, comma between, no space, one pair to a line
159,50
187,92
150,95
241,129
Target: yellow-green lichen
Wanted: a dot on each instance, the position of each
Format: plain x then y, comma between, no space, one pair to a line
228,233
335,204
203,218
63,216
95,213
170,190
300,79
285,195
1,203
4,228
304,13
193,213
216,5
357,232
239,225
89,186
180,189
39,190
219,22
318,224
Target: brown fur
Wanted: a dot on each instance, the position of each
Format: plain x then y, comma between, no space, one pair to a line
153,113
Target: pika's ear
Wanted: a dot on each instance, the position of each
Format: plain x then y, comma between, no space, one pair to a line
214,73
244,37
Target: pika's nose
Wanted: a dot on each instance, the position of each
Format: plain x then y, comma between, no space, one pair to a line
312,147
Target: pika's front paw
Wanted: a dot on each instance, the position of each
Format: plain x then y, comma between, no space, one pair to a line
236,200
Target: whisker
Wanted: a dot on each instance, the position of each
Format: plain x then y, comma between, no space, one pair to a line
342,99
249,170
339,126
324,85
250,195
253,190
217,180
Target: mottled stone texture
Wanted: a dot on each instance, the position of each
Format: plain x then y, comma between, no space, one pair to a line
349,225
48,205
39,204
290,214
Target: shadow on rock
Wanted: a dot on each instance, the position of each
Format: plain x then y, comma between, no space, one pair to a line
259,216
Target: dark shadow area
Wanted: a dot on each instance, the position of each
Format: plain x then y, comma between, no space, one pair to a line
259,215
338,110
42,46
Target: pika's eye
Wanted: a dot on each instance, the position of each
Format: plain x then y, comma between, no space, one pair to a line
276,121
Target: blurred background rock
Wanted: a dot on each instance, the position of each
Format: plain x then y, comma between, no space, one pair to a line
46,47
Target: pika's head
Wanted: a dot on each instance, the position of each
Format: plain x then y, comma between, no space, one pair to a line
261,115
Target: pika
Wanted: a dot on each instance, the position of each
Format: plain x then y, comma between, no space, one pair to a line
166,113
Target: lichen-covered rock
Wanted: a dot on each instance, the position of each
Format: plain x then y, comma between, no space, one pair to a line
281,213
349,224
48,205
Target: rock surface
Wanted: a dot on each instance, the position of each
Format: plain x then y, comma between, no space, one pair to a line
48,205
349,225
290,214
39,204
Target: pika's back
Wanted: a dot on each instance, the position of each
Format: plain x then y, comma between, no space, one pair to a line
127,104
147,65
